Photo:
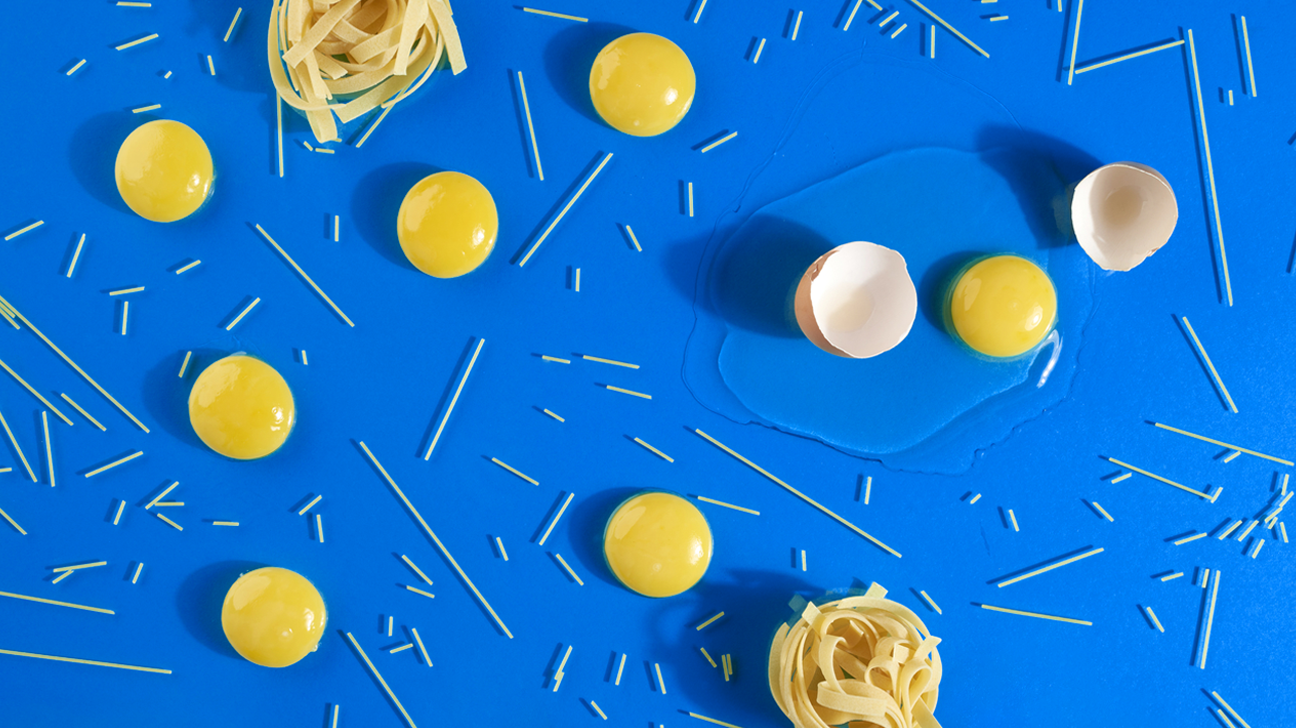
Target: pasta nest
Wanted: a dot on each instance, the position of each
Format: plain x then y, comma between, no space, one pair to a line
336,60
863,661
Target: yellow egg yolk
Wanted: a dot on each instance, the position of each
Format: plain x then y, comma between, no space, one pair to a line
164,171
447,224
241,407
1003,306
273,616
657,544
642,84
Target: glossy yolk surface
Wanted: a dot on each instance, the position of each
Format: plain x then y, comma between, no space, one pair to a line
1003,306
447,224
642,84
164,171
241,407
273,616
657,544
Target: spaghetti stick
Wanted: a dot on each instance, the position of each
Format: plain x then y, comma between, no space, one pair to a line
515,471
279,132
36,394
1051,567
868,490
704,652
455,399
555,416
1229,708
76,255
712,720
307,278
416,569
416,590
243,313
558,15
26,598
640,395
698,15
1246,40
1202,350
162,495
599,710
1223,444
660,683
1210,621
426,660
633,239
546,357
798,494
1075,42
613,362
14,441
759,48
931,601
655,451
690,199
797,28
1154,476
1036,615
530,126
49,451
722,140
170,522
137,41
1103,511
115,463
75,68
563,561
308,506
1169,577
707,623
563,213
121,506
84,414
500,544
30,227
845,28
1127,56
950,28
12,522
73,364
233,22
319,527
437,541
1210,168
85,662
1155,621
712,501
187,267
1189,539
554,522
402,648
74,567
619,669
381,681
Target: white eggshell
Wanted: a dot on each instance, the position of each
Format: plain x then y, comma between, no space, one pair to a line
1122,213
857,300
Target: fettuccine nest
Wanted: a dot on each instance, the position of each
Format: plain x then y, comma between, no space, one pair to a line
862,661
347,57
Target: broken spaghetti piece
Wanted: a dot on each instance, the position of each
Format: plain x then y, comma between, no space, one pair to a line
336,60
863,660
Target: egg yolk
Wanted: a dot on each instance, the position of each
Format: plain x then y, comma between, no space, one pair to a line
241,407
164,171
447,224
657,544
273,616
642,84
1003,306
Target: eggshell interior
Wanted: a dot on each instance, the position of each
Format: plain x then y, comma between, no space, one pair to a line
857,300
1122,213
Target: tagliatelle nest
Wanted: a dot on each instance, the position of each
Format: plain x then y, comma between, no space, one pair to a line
348,57
861,661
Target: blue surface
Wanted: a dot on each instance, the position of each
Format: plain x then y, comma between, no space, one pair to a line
386,380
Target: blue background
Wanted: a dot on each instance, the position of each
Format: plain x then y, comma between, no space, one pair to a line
385,381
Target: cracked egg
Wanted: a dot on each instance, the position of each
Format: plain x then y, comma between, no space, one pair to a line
857,300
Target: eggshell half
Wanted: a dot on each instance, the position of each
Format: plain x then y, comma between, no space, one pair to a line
1122,213
857,300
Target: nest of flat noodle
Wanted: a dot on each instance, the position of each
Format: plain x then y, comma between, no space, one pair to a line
863,661
336,60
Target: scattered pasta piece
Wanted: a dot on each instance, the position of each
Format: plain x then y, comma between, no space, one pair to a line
77,67
1122,476
308,506
14,441
1210,173
243,313
554,522
84,414
1210,621
121,506
1037,615
319,527
1242,536
546,357
162,495
712,501
1259,545
564,17
49,450
660,683
374,670
613,362
901,29
1013,516
1155,621
515,471
455,400
187,267
74,567
211,67
30,227
556,417
597,709
975,498
138,568
526,106
1229,708
416,590
302,273
1189,539
641,395
620,669
565,565
500,544
868,490
759,48
1175,575
36,394
535,246
1050,567
170,522
144,109
225,523
85,662
1224,534
630,232
797,28
707,623
115,463
726,137
12,522
1103,511
655,451
712,720
416,569
798,493
1154,476
401,648
426,660
233,22
707,656
1212,441
931,601
951,29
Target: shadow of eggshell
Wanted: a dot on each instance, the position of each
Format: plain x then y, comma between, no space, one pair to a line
856,301
1122,213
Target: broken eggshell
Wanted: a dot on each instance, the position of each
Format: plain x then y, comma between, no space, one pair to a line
1122,213
856,300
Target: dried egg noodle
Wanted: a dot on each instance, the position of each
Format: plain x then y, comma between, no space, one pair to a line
864,661
369,52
